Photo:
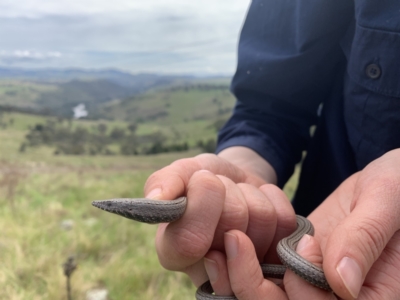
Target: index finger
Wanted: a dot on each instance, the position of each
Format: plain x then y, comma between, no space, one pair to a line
183,243
171,182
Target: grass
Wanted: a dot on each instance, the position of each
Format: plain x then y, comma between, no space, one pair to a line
40,194
111,252
182,115
48,191
22,93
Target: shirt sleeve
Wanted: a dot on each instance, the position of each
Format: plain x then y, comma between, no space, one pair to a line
289,53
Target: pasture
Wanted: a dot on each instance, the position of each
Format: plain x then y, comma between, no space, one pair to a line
46,215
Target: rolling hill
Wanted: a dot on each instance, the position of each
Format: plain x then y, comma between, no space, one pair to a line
56,92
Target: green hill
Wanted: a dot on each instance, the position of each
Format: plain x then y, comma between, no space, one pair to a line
173,105
58,97
177,117
23,94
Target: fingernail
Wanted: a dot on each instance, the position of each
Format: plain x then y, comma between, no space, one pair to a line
351,275
231,245
303,243
154,194
212,269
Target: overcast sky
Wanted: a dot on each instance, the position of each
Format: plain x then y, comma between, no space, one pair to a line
162,36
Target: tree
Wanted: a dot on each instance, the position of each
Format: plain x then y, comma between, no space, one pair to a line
117,134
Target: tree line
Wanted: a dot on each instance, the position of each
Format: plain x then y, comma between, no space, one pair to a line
69,139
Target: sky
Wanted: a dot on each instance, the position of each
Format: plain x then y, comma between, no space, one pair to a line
157,36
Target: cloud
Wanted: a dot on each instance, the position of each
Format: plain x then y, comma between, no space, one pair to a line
135,35
27,55
40,8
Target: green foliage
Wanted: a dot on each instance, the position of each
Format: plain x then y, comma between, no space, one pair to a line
129,145
208,146
158,147
80,140
117,134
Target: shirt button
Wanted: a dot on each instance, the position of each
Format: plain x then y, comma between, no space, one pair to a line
373,71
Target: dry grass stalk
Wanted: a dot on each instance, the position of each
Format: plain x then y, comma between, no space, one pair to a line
69,267
10,180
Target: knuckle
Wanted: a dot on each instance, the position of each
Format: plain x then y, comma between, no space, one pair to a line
236,212
152,179
261,211
241,290
205,179
205,156
180,247
184,167
207,185
191,244
247,289
388,183
287,221
205,161
373,236
154,176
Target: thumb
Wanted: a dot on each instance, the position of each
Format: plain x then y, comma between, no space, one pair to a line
359,239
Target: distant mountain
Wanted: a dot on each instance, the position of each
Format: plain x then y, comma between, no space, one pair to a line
56,91
136,82
91,93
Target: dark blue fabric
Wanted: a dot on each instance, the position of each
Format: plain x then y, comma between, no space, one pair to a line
296,56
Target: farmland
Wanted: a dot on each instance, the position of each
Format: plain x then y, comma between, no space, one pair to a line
45,211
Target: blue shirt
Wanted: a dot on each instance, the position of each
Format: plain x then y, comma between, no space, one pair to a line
333,64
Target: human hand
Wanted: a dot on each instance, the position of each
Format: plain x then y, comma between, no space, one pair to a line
357,228
221,197
239,271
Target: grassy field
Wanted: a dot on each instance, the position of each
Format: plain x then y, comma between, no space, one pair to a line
175,105
182,114
21,93
46,216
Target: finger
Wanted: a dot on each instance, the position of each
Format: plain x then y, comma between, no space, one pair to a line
286,219
171,181
183,243
234,213
358,241
262,219
217,271
245,274
382,281
296,287
259,170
